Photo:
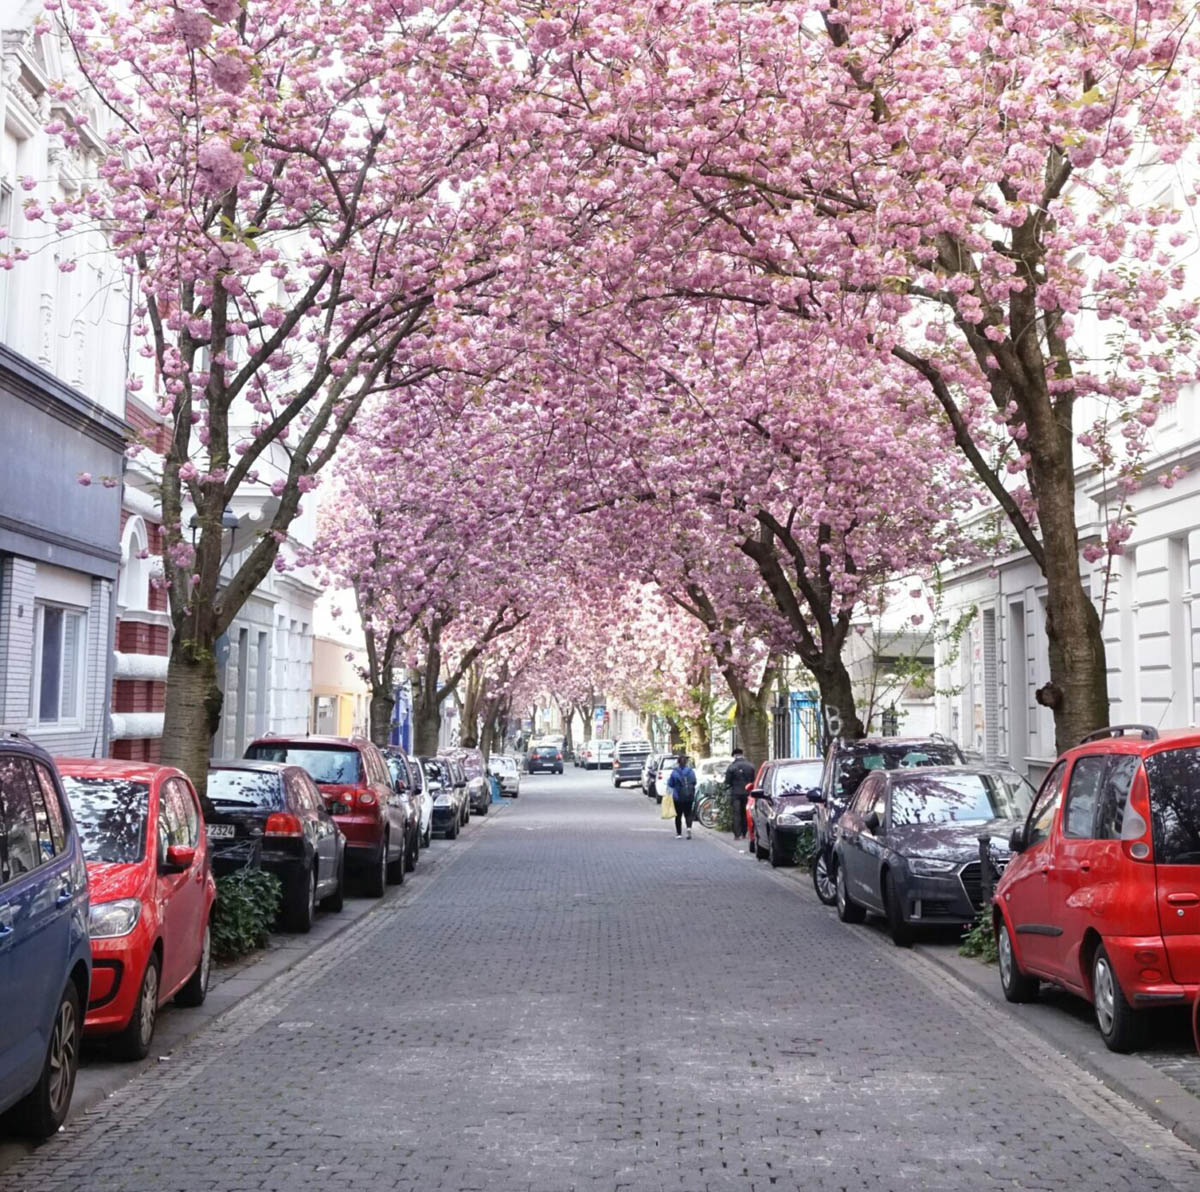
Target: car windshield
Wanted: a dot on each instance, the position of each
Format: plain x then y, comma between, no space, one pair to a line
472,763
245,788
110,815
397,772
1174,778
329,765
856,761
504,763
798,777
433,769
959,798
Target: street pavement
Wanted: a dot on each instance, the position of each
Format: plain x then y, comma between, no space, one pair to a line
576,1000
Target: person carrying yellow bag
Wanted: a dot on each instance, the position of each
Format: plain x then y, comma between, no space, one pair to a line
667,810
681,790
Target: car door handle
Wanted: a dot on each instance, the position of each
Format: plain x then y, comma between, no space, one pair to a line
64,896
1185,899
1085,866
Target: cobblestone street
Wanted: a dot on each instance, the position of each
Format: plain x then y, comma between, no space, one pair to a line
577,1000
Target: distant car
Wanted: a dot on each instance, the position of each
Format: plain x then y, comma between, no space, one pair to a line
479,790
403,767
354,782
45,958
273,815
628,756
649,774
449,800
602,754
908,844
505,768
545,757
666,764
152,893
1102,896
710,774
782,808
458,779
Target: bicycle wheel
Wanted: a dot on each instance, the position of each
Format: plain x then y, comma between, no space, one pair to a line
706,812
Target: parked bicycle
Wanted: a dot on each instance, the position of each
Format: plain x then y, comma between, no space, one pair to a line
714,810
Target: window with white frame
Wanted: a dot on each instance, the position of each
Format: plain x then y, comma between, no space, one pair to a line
59,637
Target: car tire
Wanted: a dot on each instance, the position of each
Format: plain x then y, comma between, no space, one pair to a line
760,853
774,852
428,839
452,831
300,905
196,989
1121,1026
376,877
824,877
41,1111
336,901
847,909
396,869
133,1043
483,810
1014,984
900,930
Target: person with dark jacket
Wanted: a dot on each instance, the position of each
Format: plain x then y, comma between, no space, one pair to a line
682,784
739,778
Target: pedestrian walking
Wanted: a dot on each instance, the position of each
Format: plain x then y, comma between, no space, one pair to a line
739,778
682,785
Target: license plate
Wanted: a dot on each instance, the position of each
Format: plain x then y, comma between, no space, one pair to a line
220,831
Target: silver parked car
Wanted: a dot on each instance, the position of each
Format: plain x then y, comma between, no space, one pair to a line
506,769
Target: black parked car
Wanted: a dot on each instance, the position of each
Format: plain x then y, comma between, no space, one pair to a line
908,844
847,763
273,815
449,801
782,808
545,757
479,789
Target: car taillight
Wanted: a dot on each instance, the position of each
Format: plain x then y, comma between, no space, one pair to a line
1136,841
558,757
365,799
283,823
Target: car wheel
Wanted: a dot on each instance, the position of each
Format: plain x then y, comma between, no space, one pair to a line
300,908
1016,985
452,830
760,853
823,878
337,900
901,931
46,1106
133,1043
1120,1024
774,852
196,989
397,868
483,810
377,875
847,909
428,835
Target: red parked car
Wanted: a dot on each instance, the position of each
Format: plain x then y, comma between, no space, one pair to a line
354,782
151,891
1102,896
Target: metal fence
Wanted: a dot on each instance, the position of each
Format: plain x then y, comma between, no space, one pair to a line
796,725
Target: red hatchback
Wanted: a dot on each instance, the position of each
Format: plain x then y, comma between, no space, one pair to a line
1102,896
151,892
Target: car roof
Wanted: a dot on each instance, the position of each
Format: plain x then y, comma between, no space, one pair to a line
900,773
261,767
319,742
109,767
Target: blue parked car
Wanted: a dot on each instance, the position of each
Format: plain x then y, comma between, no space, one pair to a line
45,956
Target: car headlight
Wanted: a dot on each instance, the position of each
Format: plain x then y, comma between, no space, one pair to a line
443,800
930,866
793,819
106,920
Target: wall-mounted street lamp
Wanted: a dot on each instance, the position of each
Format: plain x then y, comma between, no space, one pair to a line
229,521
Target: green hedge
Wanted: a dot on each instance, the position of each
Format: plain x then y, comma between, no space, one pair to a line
247,905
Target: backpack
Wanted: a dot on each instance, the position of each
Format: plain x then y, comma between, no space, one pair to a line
687,784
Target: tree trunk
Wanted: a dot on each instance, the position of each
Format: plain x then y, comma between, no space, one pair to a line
1078,689
701,737
193,709
753,722
840,717
427,725
383,703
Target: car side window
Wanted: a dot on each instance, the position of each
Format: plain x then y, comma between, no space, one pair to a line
1041,814
189,813
1114,795
1079,814
54,812
20,852
171,828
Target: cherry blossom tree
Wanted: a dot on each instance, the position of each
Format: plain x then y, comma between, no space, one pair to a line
279,181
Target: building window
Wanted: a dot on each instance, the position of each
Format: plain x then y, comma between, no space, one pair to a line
60,634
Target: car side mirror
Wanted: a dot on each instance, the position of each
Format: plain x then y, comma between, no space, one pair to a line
1017,842
814,796
179,858
871,820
